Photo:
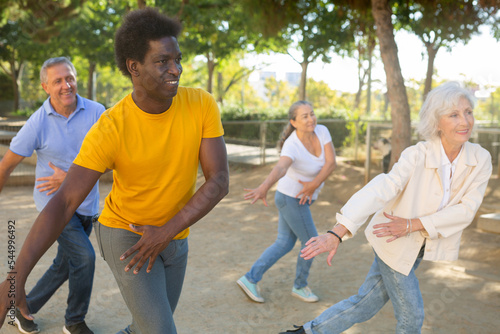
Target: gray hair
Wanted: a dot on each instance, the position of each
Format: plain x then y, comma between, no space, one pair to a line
54,61
440,101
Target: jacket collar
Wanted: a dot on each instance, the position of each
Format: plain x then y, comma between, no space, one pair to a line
464,163
433,159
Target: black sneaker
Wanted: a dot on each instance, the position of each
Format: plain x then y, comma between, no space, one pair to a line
79,328
24,325
297,330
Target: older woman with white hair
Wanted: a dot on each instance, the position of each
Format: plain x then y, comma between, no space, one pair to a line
421,208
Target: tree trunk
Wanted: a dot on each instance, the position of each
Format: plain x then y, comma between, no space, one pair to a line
303,80
369,86
371,47
220,90
386,105
91,83
361,80
211,69
400,109
15,86
432,51
15,74
141,4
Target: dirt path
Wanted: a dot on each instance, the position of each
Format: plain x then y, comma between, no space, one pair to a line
460,297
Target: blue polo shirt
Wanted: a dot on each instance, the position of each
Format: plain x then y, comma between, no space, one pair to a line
57,139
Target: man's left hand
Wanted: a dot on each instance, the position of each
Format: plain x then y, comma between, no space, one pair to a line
53,182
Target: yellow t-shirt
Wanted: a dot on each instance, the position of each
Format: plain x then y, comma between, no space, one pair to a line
154,157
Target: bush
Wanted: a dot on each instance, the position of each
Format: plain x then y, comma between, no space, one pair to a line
249,133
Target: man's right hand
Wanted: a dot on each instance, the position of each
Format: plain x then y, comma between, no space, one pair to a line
12,296
153,241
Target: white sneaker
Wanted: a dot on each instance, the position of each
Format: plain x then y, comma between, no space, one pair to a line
305,294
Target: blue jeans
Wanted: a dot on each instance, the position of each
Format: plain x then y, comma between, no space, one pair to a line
75,262
295,221
381,284
150,297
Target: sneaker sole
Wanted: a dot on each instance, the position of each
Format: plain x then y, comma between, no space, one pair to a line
19,328
248,292
314,300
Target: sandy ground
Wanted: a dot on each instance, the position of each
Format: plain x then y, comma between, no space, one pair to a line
459,297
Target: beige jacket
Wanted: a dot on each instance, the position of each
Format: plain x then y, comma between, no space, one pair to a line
413,189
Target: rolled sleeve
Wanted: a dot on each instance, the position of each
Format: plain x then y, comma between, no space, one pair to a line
430,228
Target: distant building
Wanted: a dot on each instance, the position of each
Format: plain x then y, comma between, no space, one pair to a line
259,85
264,75
293,78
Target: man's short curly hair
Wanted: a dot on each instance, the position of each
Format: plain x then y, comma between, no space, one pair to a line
138,28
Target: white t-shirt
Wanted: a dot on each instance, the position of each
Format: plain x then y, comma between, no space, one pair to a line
305,165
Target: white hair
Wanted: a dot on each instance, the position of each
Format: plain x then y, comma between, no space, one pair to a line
440,101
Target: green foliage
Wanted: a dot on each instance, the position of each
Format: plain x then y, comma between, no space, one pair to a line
90,34
112,85
487,110
41,19
238,113
217,35
351,129
213,29
248,132
32,93
194,73
271,16
444,22
321,27
279,93
230,74
332,104
25,112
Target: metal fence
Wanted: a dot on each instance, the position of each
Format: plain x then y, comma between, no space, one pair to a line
24,173
353,141
486,136
265,134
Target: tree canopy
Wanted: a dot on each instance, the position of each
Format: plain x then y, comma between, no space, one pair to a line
218,34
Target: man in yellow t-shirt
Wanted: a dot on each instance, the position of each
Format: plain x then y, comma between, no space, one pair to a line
153,140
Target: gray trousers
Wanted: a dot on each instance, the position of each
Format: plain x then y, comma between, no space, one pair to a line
150,297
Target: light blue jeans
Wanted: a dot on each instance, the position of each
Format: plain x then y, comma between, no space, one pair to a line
295,221
75,262
381,284
150,297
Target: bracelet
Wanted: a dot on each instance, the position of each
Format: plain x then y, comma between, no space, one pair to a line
335,234
408,227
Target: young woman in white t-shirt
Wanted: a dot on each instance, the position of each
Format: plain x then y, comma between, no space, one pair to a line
307,159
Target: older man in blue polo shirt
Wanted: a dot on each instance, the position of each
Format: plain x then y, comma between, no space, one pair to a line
55,132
